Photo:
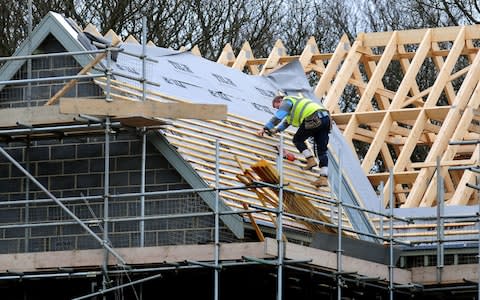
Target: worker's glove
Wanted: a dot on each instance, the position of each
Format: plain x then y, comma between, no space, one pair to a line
271,132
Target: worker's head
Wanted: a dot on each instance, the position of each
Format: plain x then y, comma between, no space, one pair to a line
277,101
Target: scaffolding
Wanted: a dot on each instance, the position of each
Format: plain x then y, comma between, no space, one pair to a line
104,126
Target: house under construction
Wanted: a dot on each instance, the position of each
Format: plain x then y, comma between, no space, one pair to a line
130,171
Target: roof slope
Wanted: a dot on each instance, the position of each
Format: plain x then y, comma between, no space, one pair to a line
396,122
182,75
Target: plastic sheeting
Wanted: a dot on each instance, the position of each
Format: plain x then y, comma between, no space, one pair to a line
195,79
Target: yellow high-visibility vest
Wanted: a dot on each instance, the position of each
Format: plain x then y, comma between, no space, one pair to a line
301,109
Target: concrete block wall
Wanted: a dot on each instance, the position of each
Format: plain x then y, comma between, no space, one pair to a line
17,95
73,168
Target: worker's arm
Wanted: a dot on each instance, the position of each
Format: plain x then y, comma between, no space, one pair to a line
279,115
284,125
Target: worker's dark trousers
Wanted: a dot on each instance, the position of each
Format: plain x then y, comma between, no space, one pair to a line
320,136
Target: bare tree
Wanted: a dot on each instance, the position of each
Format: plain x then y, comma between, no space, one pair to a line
211,24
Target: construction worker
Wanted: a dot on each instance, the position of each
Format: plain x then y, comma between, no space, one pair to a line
312,120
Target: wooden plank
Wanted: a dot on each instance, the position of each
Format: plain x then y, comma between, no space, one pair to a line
376,79
112,36
157,96
339,85
379,91
310,49
190,147
463,192
227,57
399,177
245,55
32,116
139,121
294,203
31,262
90,28
431,236
287,58
131,40
274,57
247,51
349,65
439,63
119,108
433,54
370,117
323,85
463,162
429,226
405,65
415,36
83,71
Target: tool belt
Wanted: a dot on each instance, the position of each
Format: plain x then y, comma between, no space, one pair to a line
315,119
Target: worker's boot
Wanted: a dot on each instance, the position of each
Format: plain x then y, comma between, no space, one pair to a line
311,162
321,181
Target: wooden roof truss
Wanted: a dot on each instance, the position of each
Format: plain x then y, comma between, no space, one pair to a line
407,125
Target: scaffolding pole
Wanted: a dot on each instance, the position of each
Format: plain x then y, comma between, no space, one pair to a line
29,103
339,278
216,252
440,223
390,244
279,234
106,195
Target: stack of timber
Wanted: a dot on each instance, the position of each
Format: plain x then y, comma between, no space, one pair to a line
294,203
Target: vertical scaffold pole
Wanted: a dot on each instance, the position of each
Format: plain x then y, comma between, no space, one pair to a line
339,227
106,195
144,143
478,220
27,197
390,229
106,181
217,219
144,56
144,137
108,73
30,50
440,200
381,208
29,103
280,243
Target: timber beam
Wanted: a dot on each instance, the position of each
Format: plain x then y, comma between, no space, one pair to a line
153,109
